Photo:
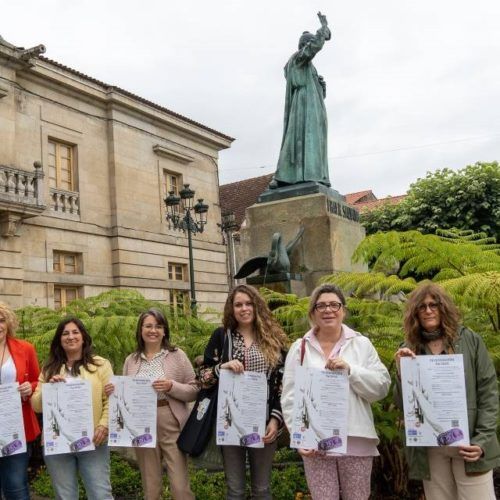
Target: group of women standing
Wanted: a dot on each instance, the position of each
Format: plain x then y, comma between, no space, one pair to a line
251,340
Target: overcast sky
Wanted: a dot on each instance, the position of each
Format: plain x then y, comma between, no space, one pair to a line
411,86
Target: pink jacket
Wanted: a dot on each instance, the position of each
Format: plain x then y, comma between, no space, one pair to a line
177,368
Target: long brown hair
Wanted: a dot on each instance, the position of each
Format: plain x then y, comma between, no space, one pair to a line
57,356
269,334
449,314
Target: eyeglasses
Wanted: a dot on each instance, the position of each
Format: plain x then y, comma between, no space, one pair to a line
323,306
433,306
153,327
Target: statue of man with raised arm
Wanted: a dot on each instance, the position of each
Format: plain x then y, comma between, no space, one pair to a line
303,155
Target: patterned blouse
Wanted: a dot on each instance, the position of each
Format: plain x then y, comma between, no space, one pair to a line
253,359
152,369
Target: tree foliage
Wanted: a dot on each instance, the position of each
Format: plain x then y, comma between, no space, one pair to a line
111,319
465,199
465,263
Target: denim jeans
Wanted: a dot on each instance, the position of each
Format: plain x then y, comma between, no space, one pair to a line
14,477
94,470
261,461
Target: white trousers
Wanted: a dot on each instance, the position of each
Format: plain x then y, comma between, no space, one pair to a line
449,480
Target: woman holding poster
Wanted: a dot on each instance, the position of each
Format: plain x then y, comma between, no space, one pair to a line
71,358
332,345
431,325
173,378
18,363
250,340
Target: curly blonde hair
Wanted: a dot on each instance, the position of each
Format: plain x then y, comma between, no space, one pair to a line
448,311
10,318
269,334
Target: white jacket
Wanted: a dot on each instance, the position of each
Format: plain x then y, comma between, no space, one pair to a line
369,379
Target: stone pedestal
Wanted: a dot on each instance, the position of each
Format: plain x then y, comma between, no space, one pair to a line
282,282
331,234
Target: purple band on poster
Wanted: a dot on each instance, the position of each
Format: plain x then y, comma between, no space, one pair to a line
448,437
250,439
330,443
142,440
11,448
79,444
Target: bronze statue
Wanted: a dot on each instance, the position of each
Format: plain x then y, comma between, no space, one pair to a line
303,155
278,260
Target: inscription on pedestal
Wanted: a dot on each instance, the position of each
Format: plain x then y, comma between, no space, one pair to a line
337,208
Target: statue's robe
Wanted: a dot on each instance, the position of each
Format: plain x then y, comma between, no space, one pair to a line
303,156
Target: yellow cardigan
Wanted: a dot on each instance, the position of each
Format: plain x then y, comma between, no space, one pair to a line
97,378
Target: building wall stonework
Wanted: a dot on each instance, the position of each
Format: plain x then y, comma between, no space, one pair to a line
112,221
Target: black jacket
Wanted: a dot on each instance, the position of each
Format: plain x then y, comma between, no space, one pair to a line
219,350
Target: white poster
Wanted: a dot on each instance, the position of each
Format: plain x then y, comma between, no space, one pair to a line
241,409
132,413
434,402
320,410
12,436
67,417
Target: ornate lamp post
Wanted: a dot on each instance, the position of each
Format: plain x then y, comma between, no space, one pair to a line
228,225
179,216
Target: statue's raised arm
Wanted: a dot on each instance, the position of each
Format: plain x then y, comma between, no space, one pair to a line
324,26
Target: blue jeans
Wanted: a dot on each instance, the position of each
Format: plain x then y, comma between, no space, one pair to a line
94,470
14,477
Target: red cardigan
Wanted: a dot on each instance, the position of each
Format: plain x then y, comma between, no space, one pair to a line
27,370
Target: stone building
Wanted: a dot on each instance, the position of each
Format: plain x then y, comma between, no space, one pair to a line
84,169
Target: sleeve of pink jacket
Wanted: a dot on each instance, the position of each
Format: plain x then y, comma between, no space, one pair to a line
184,385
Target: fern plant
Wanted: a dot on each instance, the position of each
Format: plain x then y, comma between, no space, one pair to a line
111,320
466,264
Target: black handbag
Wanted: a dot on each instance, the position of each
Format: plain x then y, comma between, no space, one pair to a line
200,424
196,433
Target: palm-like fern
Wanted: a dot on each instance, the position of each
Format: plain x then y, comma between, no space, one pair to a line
466,264
111,319
290,311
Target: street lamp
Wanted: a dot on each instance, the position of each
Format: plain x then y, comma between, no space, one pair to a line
228,225
179,217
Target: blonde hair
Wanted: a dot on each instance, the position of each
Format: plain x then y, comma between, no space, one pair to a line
10,318
269,334
315,295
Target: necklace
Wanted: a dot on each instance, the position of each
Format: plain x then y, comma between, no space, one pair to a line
1,362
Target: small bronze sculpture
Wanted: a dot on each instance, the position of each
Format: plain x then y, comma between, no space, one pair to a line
278,260
303,156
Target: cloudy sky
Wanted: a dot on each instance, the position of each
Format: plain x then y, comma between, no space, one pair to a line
411,86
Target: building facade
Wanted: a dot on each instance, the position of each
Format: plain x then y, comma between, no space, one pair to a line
84,169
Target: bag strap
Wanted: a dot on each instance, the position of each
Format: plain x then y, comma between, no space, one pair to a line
302,350
229,339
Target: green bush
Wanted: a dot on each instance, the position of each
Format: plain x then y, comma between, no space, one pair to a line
287,482
126,482
208,486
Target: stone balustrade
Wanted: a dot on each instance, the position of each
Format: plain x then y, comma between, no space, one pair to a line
21,197
20,186
65,202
